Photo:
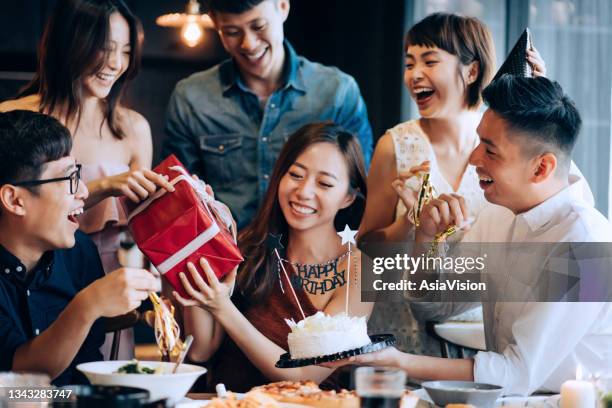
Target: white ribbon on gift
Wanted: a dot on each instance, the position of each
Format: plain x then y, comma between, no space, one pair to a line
188,249
210,203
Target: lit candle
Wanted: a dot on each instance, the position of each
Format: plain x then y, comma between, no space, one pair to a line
577,393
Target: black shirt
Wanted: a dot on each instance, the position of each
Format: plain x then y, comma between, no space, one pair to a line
29,305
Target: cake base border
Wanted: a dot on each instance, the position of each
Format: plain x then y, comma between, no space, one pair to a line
378,342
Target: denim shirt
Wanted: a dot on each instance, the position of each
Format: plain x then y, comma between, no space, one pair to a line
218,129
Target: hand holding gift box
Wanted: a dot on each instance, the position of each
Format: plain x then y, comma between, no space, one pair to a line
172,229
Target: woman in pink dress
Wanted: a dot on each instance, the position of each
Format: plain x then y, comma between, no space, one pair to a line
88,53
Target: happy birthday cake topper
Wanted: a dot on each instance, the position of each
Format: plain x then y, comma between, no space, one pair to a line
315,278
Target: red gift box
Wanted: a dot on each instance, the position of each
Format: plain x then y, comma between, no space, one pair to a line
172,229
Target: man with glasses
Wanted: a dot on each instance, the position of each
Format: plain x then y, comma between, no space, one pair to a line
74,178
52,287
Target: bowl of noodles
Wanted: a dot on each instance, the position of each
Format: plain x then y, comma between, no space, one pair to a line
153,376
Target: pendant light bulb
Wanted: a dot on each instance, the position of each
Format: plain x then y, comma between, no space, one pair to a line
191,33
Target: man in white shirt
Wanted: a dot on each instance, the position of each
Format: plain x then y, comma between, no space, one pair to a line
523,160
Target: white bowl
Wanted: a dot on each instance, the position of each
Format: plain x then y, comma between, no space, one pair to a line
170,386
481,395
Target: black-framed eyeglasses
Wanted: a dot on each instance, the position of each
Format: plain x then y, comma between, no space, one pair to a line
74,179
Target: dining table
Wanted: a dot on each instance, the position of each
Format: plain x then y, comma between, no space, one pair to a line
537,401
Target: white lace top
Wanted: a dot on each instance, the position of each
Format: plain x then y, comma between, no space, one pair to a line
412,147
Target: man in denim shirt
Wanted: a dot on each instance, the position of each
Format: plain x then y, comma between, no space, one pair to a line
228,124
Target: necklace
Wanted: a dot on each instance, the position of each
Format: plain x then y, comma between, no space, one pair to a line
322,264
316,278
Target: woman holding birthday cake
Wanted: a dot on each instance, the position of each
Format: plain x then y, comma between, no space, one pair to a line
296,265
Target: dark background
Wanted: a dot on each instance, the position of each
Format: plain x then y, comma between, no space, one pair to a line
362,38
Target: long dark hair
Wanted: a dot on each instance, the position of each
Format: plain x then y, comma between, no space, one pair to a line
256,278
74,38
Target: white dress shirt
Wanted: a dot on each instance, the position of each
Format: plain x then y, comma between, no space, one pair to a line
536,345
412,147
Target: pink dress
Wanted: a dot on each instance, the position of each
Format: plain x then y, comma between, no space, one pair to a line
104,223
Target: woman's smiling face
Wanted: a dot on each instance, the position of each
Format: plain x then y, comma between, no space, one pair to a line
315,187
434,79
116,58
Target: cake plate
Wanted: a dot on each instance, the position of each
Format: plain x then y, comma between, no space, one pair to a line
378,342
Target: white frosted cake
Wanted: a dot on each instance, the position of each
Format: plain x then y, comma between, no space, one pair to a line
321,334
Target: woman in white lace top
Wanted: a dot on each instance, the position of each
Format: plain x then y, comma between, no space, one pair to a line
449,60
413,149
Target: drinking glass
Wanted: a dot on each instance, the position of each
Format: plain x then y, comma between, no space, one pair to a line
379,387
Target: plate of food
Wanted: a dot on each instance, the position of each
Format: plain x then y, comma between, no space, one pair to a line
321,338
295,394
249,400
284,394
153,376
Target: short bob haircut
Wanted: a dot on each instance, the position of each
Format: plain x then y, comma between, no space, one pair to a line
465,37
72,48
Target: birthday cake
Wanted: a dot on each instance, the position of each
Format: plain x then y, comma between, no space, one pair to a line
321,335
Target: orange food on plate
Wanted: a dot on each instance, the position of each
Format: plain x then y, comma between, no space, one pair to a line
252,399
308,393
305,393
